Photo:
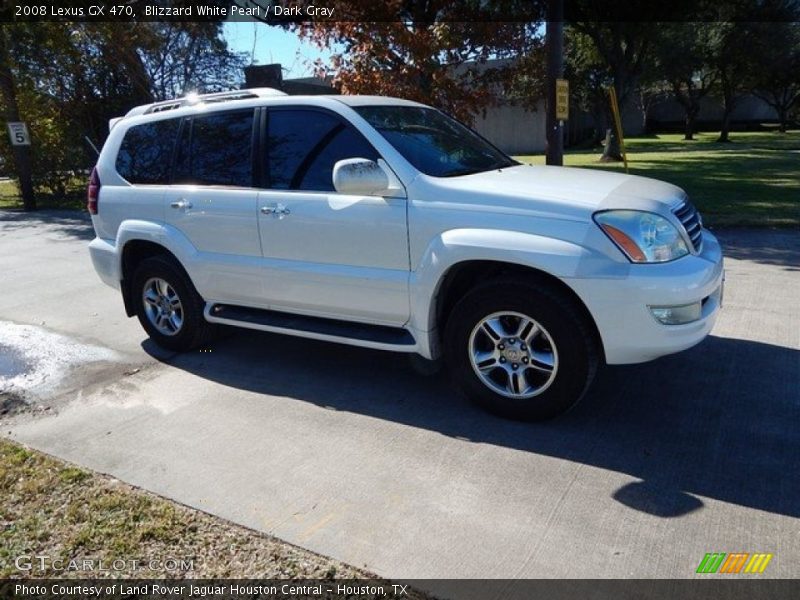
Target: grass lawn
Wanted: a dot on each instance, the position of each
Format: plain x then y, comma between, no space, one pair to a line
9,194
755,180
9,197
54,509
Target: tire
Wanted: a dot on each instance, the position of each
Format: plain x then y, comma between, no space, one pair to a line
162,279
558,349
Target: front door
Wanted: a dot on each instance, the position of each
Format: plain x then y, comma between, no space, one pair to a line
328,254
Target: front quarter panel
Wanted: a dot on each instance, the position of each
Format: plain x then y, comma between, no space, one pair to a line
558,257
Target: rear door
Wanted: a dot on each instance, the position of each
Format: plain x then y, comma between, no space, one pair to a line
325,253
213,202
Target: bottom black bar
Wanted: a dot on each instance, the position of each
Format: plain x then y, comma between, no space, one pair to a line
718,588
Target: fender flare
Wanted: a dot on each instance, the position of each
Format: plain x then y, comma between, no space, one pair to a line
554,257
160,234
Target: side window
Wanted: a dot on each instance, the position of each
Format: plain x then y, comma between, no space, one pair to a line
146,152
216,150
303,146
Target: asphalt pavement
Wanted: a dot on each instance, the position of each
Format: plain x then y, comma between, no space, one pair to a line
352,454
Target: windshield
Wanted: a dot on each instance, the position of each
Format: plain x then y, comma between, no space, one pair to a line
434,143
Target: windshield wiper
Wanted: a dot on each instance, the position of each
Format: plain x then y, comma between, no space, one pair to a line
460,172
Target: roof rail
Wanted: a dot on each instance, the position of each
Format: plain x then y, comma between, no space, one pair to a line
191,99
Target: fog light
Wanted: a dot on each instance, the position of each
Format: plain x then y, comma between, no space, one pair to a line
677,315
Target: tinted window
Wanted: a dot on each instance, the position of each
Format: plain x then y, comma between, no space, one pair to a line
303,146
216,150
146,152
433,142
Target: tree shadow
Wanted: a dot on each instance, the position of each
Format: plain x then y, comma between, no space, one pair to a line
717,421
760,164
64,224
769,247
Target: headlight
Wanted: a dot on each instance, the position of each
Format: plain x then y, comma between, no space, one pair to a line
644,237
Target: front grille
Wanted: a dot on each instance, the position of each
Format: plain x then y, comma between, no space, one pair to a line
687,214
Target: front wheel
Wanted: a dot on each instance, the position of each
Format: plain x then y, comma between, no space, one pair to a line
519,350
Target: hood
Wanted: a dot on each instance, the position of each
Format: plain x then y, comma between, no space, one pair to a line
562,190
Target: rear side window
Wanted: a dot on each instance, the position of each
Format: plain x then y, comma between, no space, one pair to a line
146,151
216,150
304,145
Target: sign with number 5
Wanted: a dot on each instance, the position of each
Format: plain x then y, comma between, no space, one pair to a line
18,132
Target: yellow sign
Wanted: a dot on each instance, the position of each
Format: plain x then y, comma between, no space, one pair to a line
562,99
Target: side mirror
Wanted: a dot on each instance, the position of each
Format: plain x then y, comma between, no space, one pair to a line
360,177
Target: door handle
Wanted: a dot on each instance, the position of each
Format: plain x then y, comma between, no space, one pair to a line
181,204
278,210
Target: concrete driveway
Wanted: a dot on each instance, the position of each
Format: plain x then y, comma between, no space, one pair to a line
350,453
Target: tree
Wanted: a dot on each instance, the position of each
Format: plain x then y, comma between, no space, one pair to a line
730,58
623,47
589,78
8,89
683,59
438,52
754,48
178,58
776,51
650,90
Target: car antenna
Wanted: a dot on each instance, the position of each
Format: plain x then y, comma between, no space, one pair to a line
92,146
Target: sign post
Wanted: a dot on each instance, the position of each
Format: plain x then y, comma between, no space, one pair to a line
554,43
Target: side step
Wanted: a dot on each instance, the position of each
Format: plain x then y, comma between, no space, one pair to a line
347,332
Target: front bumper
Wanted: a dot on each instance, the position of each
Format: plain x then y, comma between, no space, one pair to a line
620,301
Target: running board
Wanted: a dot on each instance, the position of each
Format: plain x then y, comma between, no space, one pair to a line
346,332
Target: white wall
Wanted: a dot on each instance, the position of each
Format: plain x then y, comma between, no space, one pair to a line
513,129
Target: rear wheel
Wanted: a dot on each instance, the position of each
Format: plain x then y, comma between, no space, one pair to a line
167,305
520,350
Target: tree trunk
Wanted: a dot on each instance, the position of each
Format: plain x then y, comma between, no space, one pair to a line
611,151
726,125
728,99
22,154
689,130
782,116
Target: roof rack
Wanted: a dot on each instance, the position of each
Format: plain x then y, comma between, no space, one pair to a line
192,99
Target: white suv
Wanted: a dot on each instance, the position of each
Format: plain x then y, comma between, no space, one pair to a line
384,223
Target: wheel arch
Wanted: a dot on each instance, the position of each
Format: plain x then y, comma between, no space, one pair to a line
463,276
133,253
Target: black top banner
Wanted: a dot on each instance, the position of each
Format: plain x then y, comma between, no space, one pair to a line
418,11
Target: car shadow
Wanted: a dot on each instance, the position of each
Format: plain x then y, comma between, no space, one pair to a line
61,223
718,421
